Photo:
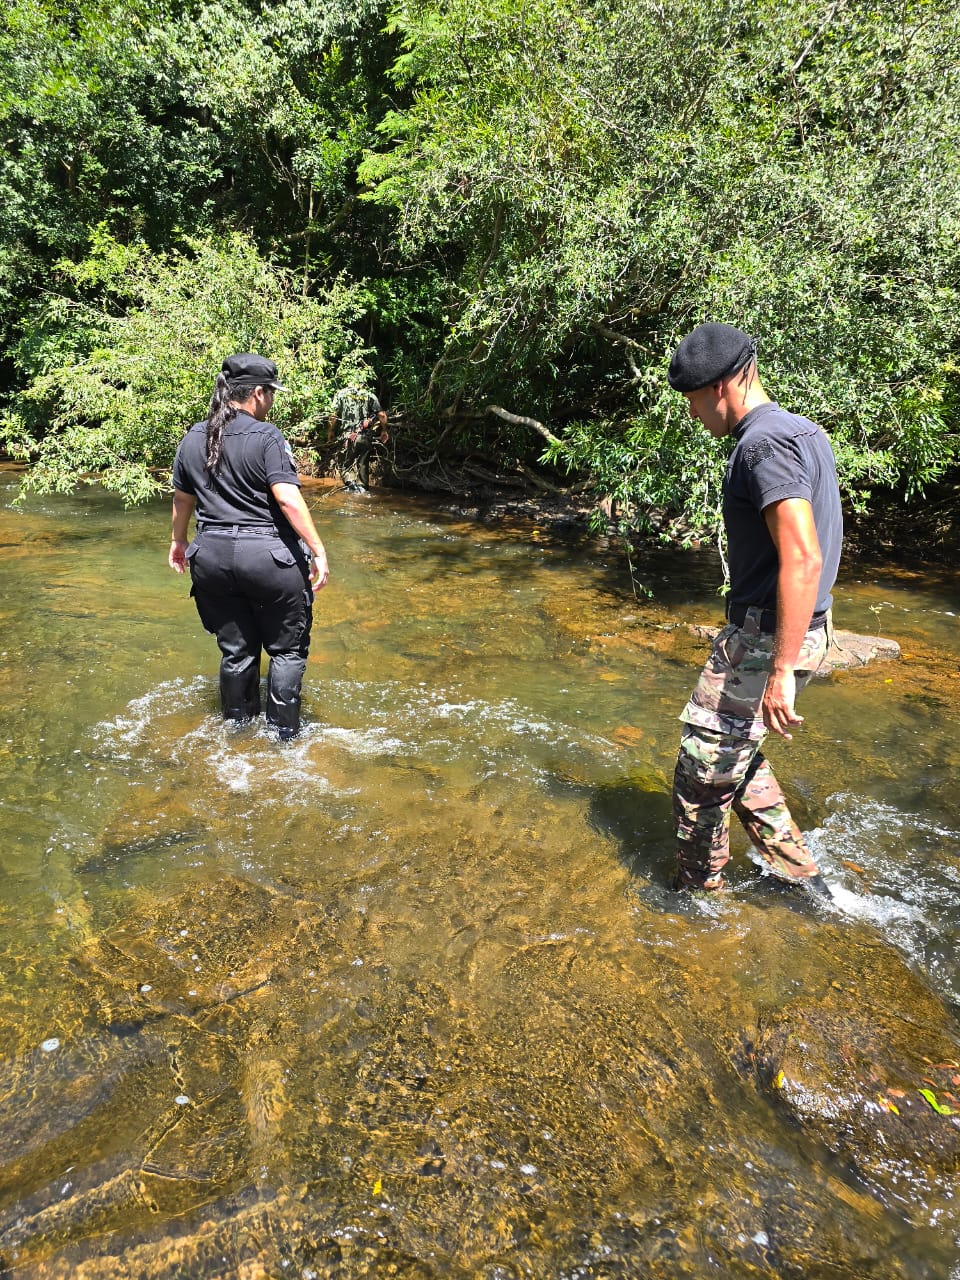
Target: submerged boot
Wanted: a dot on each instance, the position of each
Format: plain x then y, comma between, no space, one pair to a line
817,887
240,690
283,690
686,881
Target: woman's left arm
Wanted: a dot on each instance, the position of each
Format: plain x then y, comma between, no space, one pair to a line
183,508
291,503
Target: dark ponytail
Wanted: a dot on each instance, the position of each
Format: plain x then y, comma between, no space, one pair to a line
220,413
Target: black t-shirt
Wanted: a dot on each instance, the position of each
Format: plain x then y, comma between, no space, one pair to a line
778,455
254,456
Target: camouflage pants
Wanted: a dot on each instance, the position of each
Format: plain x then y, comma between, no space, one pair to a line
720,765
355,458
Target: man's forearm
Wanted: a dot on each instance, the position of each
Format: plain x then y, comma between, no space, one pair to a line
794,535
796,600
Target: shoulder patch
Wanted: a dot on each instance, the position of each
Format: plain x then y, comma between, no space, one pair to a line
758,451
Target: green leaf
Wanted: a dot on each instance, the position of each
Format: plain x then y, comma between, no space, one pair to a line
929,1096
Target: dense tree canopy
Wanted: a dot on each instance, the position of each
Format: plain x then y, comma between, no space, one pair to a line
602,177
520,203
118,413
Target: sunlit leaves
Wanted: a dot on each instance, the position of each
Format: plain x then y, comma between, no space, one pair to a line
603,176
117,410
553,192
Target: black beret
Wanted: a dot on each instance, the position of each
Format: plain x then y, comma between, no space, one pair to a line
711,352
248,370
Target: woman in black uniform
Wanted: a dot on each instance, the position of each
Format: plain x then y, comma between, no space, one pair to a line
256,560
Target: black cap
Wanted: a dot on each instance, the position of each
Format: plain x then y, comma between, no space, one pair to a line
711,352
246,371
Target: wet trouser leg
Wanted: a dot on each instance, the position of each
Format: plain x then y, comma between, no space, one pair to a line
239,641
715,773
355,461
225,611
762,808
287,641
363,462
252,592
721,767
275,577
234,623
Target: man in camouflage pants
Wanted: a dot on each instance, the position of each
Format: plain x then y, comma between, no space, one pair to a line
359,417
784,528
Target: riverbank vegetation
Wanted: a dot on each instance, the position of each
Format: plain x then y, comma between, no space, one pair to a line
504,213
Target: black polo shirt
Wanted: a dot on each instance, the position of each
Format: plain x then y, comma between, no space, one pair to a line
778,455
254,456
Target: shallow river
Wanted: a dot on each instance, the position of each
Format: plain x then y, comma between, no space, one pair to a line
409,996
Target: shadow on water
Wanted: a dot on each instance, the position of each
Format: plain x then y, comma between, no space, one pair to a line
410,996
639,818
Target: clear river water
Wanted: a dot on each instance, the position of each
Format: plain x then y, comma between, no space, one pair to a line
410,996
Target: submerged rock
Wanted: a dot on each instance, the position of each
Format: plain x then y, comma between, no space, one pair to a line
874,1084
241,1098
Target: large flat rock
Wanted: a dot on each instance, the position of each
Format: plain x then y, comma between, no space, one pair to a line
851,650
848,651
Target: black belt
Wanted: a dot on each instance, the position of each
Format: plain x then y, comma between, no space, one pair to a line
240,530
737,614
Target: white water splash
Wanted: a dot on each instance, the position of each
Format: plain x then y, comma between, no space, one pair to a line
364,742
879,910
396,721
889,854
130,729
899,872
232,769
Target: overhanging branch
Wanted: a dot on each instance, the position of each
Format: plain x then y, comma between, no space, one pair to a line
519,420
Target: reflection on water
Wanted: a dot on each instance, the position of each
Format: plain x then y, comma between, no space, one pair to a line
409,996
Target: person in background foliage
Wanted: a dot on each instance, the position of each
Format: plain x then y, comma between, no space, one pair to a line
358,414
257,560
784,529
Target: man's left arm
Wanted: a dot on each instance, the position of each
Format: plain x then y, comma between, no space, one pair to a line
794,534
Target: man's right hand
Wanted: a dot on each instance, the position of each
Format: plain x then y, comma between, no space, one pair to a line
777,706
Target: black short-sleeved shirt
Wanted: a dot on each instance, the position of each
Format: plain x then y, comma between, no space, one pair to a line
254,456
778,455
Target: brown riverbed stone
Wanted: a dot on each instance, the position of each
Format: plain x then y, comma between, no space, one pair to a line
282,1119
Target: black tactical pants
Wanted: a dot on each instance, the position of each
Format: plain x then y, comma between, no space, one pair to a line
252,591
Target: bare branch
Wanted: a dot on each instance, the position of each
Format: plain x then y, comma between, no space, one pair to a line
622,340
538,482
831,14
519,420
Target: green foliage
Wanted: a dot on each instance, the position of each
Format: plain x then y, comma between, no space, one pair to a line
603,176
142,370
162,122
641,466
93,130
293,90
553,193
